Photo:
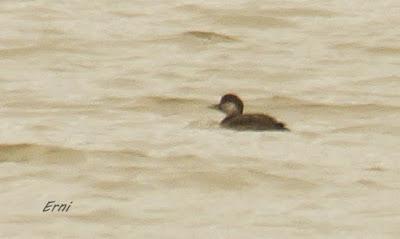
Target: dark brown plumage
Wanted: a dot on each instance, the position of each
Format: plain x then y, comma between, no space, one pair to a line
233,106
252,122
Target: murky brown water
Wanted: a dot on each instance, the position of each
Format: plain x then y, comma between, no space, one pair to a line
104,104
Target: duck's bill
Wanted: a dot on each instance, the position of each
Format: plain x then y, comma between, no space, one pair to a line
215,107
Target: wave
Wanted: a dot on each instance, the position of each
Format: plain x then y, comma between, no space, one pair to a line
39,153
299,12
384,50
166,105
254,16
234,179
47,154
290,102
371,128
376,50
210,36
251,21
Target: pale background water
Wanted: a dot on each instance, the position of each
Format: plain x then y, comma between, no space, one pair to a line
104,103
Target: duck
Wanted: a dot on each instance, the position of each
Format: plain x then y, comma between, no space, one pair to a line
233,106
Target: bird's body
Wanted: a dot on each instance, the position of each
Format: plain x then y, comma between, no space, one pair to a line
252,122
233,106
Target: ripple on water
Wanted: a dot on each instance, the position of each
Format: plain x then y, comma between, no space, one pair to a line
34,153
234,179
210,36
46,154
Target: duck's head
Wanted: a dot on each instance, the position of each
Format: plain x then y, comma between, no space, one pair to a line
230,104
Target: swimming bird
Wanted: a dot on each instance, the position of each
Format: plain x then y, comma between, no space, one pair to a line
232,106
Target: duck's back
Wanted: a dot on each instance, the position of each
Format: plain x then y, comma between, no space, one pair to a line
252,122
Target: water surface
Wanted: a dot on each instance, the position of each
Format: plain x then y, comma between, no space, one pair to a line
105,104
